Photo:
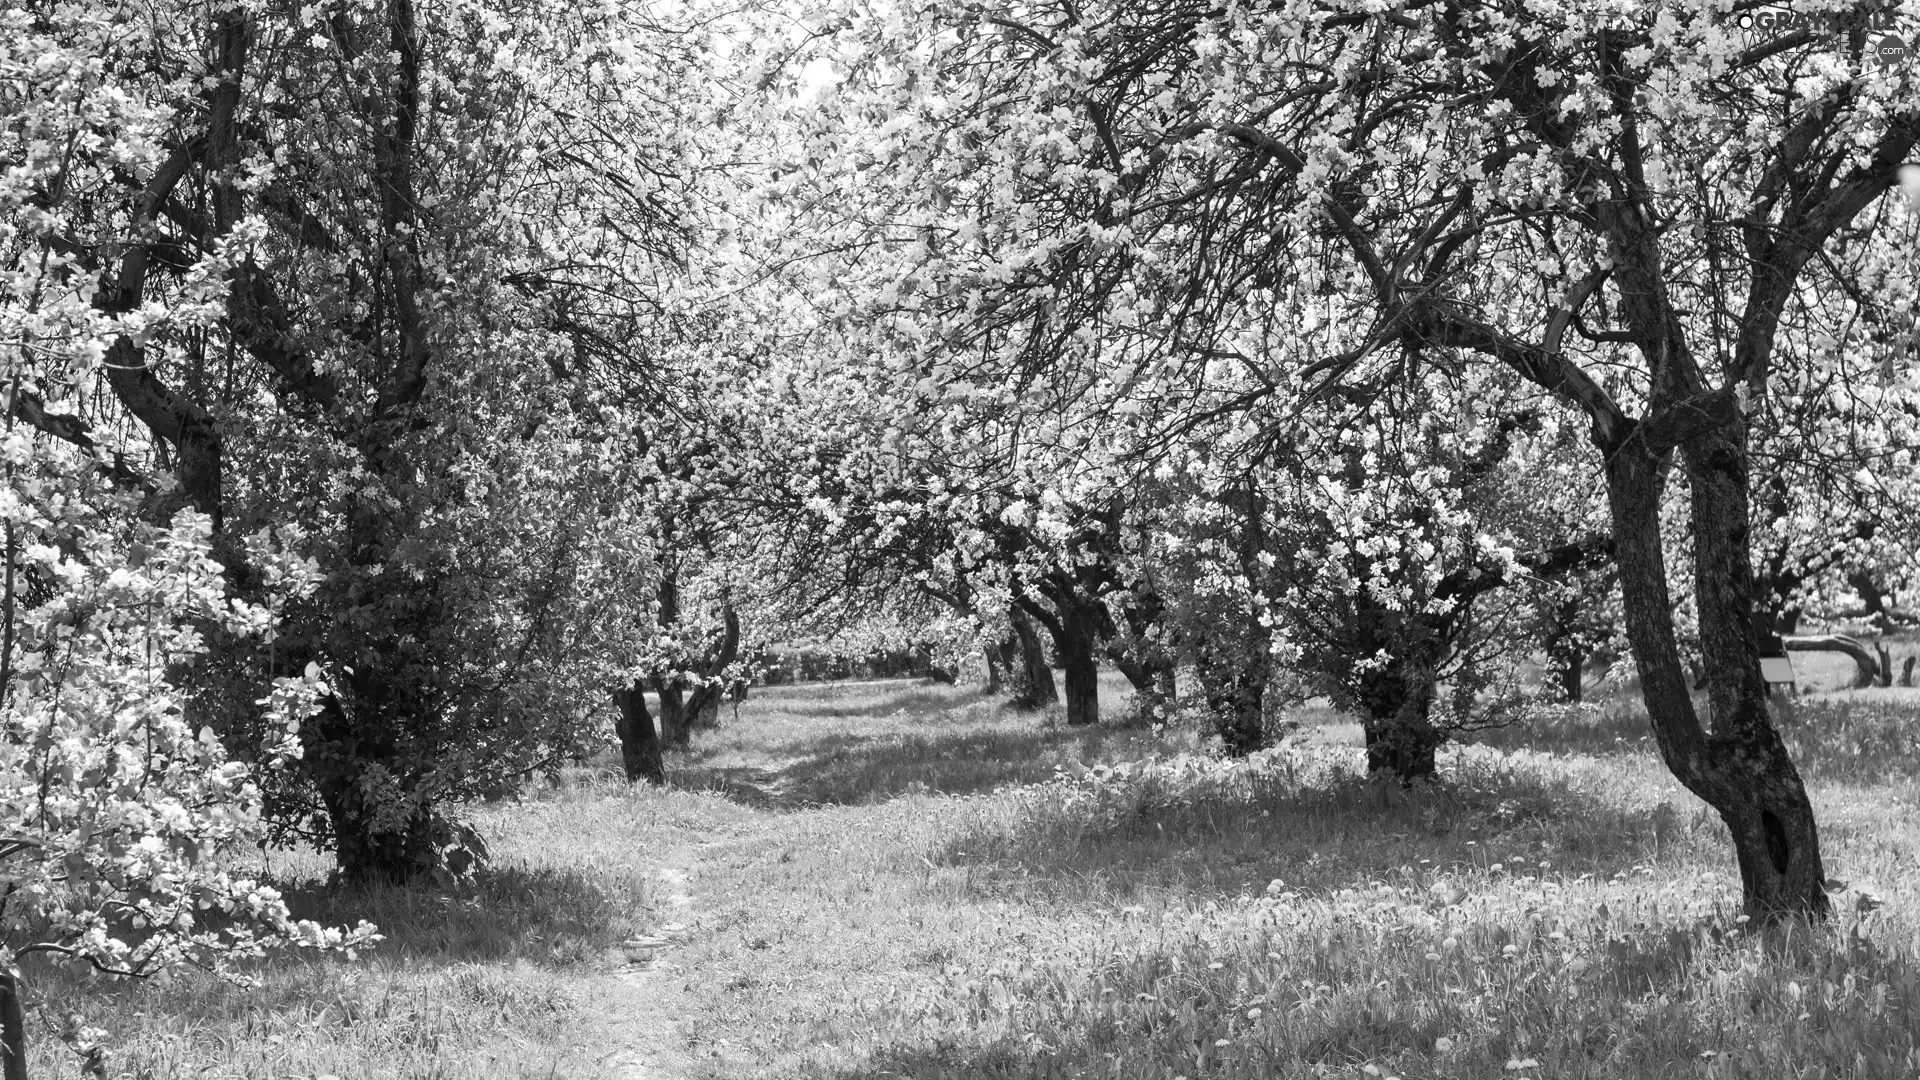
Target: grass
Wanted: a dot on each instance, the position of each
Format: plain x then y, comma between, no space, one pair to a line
896,880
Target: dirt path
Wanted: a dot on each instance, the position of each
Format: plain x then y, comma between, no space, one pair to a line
643,1002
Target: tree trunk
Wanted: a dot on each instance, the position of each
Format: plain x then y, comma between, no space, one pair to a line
1741,769
639,744
1233,671
1906,671
13,1029
1152,682
1000,657
367,851
1075,646
1572,668
1082,677
1035,689
1397,713
359,773
703,707
675,732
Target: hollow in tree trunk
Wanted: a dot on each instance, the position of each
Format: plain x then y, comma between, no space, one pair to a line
639,744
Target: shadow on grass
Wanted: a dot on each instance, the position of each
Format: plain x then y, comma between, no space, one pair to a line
846,770
1332,833
506,913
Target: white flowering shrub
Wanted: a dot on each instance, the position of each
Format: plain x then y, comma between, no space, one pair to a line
120,822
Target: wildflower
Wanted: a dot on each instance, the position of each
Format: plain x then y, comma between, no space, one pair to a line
1516,1064
1222,1042
1443,1045
1509,950
1433,957
1255,1013
1215,966
1496,868
1450,943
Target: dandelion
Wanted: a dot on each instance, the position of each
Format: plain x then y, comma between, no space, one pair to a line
1517,1064
1443,1045
1217,1043
1433,957
1255,1013
1215,966
1496,868
1509,950
1450,943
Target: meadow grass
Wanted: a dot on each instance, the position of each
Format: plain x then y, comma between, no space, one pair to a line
900,880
